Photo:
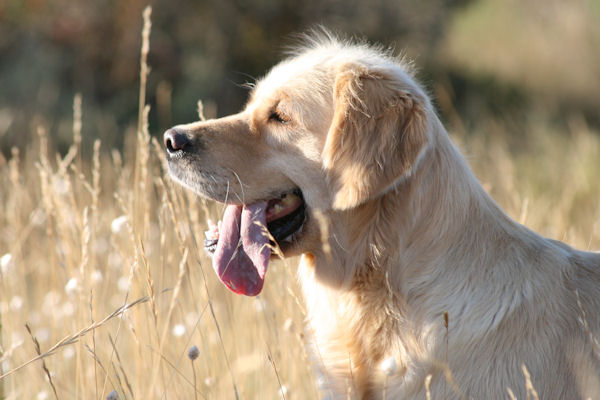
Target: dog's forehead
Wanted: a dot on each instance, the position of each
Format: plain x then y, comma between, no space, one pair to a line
312,71
292,73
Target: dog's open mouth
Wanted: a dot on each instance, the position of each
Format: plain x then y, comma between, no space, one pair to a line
242,245
285,216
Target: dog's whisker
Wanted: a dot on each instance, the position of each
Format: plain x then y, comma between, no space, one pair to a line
243,199
339,243
224,204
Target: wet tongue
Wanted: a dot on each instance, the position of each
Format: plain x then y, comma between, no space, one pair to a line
241,265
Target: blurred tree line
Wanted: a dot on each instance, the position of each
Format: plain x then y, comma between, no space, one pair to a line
52,49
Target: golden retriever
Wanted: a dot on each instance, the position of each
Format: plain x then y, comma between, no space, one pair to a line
406,259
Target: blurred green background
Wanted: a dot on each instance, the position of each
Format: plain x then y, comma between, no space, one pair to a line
485,62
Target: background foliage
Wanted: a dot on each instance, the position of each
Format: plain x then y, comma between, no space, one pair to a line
506,59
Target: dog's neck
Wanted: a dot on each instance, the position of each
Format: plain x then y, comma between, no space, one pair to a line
405,239
397,232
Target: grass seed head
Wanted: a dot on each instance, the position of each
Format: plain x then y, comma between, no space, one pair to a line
193,352
179,330
113,395
6,263
72,286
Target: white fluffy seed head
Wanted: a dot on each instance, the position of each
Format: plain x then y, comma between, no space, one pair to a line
209,381
118,224
16,303
123,284
97,276
179,330
43,395
72,286
6,263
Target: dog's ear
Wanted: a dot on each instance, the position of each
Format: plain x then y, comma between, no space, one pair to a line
378,131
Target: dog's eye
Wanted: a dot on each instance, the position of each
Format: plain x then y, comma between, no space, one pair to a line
276,117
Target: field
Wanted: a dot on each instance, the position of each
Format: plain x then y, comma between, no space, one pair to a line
105,288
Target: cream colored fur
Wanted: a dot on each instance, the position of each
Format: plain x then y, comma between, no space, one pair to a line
400,233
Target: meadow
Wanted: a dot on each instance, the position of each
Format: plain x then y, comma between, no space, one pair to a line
106,292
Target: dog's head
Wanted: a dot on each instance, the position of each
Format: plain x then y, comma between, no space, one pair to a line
329,129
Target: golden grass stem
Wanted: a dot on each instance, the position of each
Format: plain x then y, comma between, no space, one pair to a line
174,367
144,148
214,317
118,377
143,62
85,243
201,111
116,352
141,145
99,363
272,362
44,366
2,353
141,155
96,190
195,385
77,118
93,342
44,170
73,338
175,295
149,284
176,290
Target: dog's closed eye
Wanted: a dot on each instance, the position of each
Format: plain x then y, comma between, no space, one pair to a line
276,116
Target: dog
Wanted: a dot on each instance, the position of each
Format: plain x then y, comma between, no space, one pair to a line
340,157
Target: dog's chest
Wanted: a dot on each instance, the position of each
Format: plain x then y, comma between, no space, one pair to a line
358,338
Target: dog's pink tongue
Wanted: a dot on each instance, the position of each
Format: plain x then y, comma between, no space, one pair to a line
241,265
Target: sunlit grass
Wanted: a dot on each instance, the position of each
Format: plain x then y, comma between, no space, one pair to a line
79,241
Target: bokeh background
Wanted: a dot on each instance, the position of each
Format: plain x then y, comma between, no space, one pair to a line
506,60
88,227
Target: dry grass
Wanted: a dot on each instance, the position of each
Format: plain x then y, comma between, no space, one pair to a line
104,286
104,265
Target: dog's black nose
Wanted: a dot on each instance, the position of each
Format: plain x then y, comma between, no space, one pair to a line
175,140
